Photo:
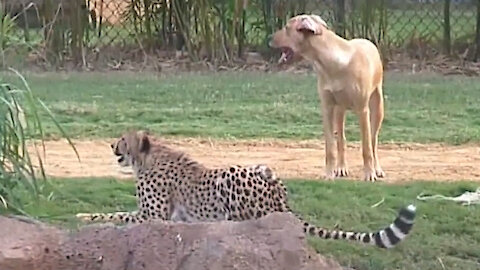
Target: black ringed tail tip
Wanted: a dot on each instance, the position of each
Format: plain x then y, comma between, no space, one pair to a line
385,238
408,212
398,230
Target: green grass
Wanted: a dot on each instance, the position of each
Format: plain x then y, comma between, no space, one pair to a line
445,231
419,108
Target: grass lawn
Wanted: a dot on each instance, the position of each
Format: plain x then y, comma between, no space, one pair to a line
445,232
419,108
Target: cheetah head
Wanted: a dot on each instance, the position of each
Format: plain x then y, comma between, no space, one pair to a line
131,147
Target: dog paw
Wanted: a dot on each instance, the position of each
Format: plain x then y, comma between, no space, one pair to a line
370,176
380,173
342,171
330,175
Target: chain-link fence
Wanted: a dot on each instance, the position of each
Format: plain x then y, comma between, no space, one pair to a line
223,30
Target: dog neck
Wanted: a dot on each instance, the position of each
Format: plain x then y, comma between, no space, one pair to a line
329,53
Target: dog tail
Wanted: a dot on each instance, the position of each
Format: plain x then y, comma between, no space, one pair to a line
385,238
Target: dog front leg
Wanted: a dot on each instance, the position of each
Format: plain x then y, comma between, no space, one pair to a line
367,151
341,141
328,107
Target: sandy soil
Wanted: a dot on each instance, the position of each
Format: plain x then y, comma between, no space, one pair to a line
305,159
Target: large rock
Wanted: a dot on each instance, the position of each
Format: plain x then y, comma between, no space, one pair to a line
273,242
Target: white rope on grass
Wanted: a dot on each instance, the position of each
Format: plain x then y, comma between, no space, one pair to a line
467,198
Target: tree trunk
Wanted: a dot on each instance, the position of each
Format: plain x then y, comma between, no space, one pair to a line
78,14
477,38
340,18
446,27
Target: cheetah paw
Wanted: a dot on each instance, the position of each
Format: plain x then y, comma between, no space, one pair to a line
84,216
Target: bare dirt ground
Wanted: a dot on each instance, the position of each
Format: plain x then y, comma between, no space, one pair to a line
290,159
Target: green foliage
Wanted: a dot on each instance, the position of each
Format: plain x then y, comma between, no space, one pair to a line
368,19
9,38
15,41
222,30
215,30
7,30
209,29
19,120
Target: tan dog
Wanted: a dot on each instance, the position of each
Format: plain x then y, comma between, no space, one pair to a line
350,76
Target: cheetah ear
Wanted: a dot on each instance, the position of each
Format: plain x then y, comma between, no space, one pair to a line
144,144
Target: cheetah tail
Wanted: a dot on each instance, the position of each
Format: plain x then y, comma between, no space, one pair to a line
385,238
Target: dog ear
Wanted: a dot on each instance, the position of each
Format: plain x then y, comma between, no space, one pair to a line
311,24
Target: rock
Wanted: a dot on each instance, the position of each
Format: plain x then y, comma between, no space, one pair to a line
24,243
272,242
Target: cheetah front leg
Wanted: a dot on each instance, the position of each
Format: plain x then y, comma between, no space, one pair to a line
151,206
116,217
153,210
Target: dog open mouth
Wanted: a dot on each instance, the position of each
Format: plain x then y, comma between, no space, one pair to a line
287,55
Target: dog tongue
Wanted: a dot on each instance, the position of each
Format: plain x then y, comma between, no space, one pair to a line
283,58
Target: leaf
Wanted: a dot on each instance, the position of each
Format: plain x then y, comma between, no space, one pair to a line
17,171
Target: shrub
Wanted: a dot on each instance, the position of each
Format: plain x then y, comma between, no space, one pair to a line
19,121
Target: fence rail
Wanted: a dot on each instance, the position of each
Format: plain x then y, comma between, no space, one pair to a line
223,30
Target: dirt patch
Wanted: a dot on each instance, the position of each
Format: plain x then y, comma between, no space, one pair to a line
290,159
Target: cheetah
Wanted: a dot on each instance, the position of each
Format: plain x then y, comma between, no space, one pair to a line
170,185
